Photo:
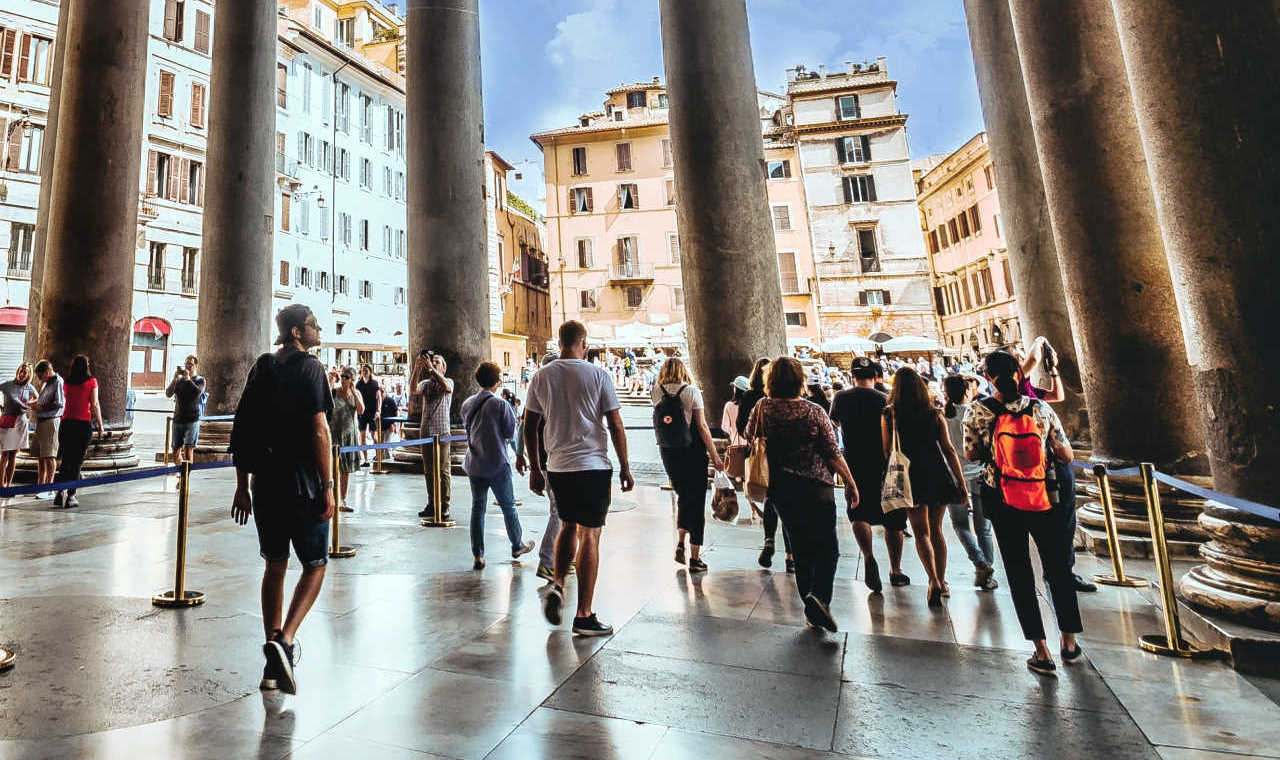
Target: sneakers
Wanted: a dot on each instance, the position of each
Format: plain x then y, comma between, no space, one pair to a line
478,564
58,497
72,501
546,573
817,613
426,512
899,579
280,659
1082,585
680,554
551,604
766,555
1071,655
524,548
591,626
345,508
364,464
269,681
871,573
984,575
1044,667
697,565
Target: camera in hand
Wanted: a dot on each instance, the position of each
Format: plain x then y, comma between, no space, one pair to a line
1050,358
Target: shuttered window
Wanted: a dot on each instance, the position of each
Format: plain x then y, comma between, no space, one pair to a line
853,150
174,10
164,104
624,156
202,32
197,105
859,189
282,85
781,218
1008,277
580,200
284,211
964,224
847,107
666,152
975,220
579,162
585,260
8,47
787,272
628,196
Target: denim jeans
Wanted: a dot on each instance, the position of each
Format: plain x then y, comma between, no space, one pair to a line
980,548
547,551
502,491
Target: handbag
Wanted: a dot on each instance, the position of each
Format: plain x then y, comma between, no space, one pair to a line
895,494
956,490
724,504
736,461
757,486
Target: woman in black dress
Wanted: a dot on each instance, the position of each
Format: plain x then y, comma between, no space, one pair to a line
934,472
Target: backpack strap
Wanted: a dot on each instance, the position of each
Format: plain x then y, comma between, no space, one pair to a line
992,403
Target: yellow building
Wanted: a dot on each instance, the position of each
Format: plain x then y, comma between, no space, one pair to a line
519,300
374,30
968,259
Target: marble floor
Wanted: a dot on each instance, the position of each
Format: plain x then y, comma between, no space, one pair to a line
411,654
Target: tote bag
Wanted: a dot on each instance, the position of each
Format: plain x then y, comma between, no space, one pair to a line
895,494
758,465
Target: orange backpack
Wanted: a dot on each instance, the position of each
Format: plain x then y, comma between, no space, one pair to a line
1018,453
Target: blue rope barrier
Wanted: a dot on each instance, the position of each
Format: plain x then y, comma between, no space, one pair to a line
390,445
101,480
212,465
1244,505
1126,472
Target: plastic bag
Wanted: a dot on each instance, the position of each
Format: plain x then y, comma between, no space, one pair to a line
724,500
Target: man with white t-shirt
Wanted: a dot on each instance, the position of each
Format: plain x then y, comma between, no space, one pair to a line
575,399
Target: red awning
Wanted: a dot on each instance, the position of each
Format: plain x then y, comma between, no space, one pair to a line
154,325
13,316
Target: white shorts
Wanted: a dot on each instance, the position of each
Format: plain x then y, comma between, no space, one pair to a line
14,438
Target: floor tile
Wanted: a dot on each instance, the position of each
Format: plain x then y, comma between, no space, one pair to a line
558,735
680,744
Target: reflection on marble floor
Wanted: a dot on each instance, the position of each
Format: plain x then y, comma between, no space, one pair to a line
411,654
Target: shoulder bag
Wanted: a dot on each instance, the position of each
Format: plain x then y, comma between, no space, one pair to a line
758,464
895,494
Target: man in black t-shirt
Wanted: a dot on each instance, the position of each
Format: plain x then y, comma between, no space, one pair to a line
857,412
371,394
291,498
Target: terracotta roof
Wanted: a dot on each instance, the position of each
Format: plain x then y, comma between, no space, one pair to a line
650,85
652,120
834,82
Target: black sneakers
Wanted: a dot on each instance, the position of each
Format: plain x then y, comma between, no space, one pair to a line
551,604
766,555
1082,585
269,681
591,626
1043,667
426,512
1071,655
817,613
697,565
280,659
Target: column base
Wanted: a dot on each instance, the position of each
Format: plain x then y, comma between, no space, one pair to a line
113,450
410,459
1183,533
214,444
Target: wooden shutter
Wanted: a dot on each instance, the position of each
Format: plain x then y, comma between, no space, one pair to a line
866,148
887,300
787,272
164,106
170,19
284,212
841,154
590,203
202,32
184,181
839,113
847,184
14,148
635,196
10,38
975,219
862,298
871,188
151,173
197,105
573,201
24,62
175,178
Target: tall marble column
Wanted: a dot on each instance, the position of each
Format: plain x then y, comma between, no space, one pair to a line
239,229
1204,78
1119,293
1033,257
46,189
733,297
448,257
93,213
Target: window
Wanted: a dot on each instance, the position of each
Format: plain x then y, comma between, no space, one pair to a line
155,267
1008,277
975,220
342,165
342,288
324,281
284,211
366,119
782,218
779,170
939,302
964,291
635,297
989,172
344,229
324,224
859,188
624,156
667,160
342,107
662,100
197,105
400,298
847,108
996,220
636,100
587,299
344,31
584,253
988,284
942,235
24,150
173,14
193,193
366,174
873,298
671,192
628,254
853,150
399,186
8,41
282,85
964,224
673,247
386,240
304,217
364,234
304,277
164,101
20,237
933,241
158,170
580,200
388,186
202,32
628,196
579,162
618,115
400,244
796,319
33,63
366,289
968,184
787,272
867,252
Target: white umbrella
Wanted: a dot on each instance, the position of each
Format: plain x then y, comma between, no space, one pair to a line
849,344
906,344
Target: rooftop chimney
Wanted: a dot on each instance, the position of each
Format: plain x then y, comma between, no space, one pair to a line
883,63
848,67
822,71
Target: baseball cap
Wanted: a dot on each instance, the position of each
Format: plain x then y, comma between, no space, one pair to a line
863,368
741,383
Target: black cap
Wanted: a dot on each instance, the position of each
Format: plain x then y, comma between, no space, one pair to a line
864,369
291,316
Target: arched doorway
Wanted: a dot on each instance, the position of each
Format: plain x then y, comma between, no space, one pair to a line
150,353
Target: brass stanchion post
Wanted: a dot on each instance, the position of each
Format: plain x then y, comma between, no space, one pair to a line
168,441
7,659
377,463
1117,578
433,464
337,550
1171,643
180,596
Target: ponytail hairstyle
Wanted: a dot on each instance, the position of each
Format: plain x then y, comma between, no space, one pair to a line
956,387
1002,369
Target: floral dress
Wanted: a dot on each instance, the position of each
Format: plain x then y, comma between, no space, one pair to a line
342,427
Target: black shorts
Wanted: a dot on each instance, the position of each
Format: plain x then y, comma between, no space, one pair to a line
582,497
869,479
282,517
368,422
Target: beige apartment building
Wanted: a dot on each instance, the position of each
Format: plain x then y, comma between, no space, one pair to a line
969,261
611,222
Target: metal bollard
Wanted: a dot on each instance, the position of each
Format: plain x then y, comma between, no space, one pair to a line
377,468
1171,642
180,596
337,550
434,463
1117,577
168,438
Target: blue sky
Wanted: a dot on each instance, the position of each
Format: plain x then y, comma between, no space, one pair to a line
546,61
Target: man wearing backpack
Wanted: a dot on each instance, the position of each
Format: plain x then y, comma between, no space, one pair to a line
281,437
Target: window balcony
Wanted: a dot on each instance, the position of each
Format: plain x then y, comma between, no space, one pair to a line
631,274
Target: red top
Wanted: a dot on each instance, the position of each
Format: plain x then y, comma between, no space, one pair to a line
79,398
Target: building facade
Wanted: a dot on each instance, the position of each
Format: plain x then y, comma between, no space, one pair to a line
519,280
969,261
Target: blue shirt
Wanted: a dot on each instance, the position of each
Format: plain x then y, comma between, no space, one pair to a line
490,425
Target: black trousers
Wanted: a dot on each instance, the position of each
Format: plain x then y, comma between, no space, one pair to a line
808,512
73,443
771,525
687,469
1014,529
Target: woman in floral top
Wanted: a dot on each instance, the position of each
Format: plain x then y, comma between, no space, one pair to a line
802,452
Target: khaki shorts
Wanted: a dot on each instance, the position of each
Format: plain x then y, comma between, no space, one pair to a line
44,444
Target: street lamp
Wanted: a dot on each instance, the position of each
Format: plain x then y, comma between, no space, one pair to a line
27,129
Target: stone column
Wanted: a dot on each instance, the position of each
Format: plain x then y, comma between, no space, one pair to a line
1120,296
733,297
1204,78
46,189
93,214
1033,257
448,259
239,227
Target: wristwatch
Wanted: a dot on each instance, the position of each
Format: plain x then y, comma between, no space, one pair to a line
329,485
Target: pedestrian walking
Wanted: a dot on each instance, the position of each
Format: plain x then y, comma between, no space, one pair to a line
801,448
1011,434
284,479
577,401
187,389
436,394
490,423
348,409
547,547
686,447
371,404
975,539
76,431
935,471
857,412
18,395
49,406
768,513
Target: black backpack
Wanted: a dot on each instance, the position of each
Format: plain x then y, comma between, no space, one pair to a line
389,408
254,431
669,424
